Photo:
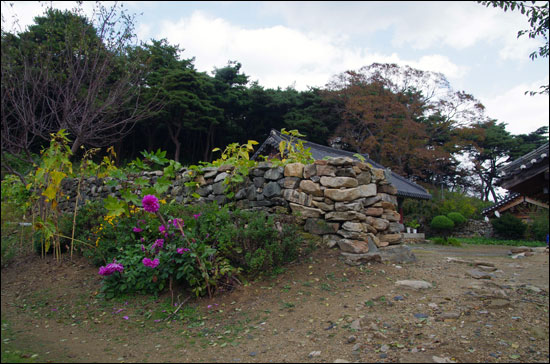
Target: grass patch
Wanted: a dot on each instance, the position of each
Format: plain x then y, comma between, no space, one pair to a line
493,241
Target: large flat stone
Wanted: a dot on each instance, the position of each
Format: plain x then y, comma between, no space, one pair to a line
294,170
345,216
351,194
311,188
337,182
353,246
304,211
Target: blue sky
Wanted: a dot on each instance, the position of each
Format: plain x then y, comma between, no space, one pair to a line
303,44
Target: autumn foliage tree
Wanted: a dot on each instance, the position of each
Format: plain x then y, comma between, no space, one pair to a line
404,118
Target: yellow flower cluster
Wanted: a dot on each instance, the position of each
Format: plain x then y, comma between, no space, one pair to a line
97,230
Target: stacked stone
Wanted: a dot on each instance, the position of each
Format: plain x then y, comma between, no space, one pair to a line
348,203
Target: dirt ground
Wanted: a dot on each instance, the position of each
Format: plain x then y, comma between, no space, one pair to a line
317,310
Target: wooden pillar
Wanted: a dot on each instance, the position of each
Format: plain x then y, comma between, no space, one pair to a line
400,209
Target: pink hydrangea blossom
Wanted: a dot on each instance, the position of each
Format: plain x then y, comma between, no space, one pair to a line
150,203
151,263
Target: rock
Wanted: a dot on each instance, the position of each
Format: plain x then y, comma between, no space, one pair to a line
477,274
414,284
272,189
314,354
353,246
274,174
331,240
311,188
345,216
221,177
353,235
341,361
450,315
297,197
304,211
309,171
358,259
485,268
294,170
351,194
374,211
364,178
340,161
353,226
437,359
226,168
356,325
355,206
521,249
325,170
352,339
322,205
337,182
290,182
390,238
389,189
320,226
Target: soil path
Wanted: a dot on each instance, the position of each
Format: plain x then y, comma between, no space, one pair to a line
318,310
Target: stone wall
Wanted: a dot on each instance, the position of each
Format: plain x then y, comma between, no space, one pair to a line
474,229
346,202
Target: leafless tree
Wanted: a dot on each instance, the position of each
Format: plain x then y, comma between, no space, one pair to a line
76,73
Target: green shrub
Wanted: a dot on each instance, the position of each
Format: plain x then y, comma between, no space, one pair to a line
442,224
538,229
227,243
457,218
509,227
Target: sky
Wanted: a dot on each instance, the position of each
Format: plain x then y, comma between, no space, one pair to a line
305,44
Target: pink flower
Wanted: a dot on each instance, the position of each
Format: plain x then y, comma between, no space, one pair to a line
150,203
197,216
162,228
177,222
159,243
136,230
181,250
151,263
125,317
111,268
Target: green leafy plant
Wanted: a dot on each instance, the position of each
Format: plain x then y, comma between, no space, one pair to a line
442,224
509,227
457,218
293,149
46,191
239,157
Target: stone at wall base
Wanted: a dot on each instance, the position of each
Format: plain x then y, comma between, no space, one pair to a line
390,254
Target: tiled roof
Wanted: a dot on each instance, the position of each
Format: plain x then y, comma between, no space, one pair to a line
529,160
501,203
405,188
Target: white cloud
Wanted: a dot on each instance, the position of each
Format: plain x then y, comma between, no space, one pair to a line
281,56
420,25
522,113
